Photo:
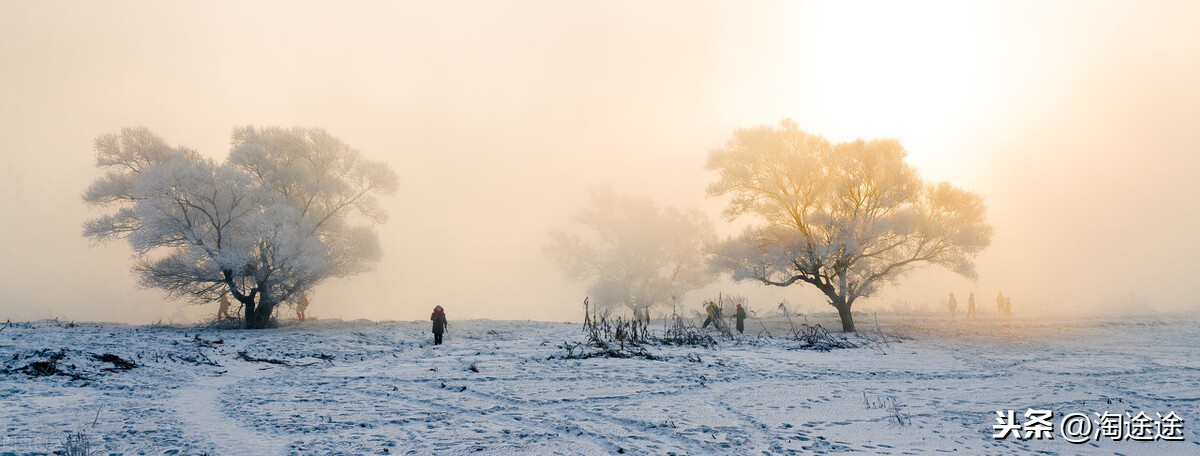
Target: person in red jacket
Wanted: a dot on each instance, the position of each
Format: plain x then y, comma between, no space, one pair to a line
439,324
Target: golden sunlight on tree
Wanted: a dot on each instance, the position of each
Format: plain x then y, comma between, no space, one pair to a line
845,218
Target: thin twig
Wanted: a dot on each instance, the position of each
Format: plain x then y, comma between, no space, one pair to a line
97,419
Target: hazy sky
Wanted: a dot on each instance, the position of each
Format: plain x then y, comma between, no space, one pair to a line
1077,121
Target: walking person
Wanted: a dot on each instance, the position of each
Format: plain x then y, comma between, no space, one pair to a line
301,307
953,305
971,305
1000,303
439,324
740,315
223,311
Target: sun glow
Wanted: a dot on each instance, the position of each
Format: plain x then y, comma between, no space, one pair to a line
887,69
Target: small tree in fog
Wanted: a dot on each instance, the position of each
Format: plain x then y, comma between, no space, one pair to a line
633,252
287,209
845,218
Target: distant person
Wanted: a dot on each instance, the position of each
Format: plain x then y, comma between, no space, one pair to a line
714,315
642,314
953,305
439,324
1007,305
301,307
1000,303
971,305
740,315
223,311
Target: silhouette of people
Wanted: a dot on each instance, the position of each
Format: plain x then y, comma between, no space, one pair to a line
714,315
439,324
971,305
301,307
223,311
1000,303
740,315
953,305
641,314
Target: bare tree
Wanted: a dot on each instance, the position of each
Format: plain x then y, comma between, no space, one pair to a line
633,252
845,218
288,209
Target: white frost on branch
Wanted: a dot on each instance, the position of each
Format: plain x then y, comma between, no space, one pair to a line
288,209
634,253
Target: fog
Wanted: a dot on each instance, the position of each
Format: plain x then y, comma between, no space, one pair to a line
1076,121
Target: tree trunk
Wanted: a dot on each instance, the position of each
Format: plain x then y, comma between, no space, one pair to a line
843,309
259,316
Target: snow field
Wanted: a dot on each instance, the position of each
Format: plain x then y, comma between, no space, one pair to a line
366,387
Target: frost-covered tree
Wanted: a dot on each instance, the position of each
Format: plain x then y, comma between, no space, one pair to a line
845,218
633,252
286,210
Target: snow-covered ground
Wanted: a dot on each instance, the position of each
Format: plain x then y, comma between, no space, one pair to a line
366,387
